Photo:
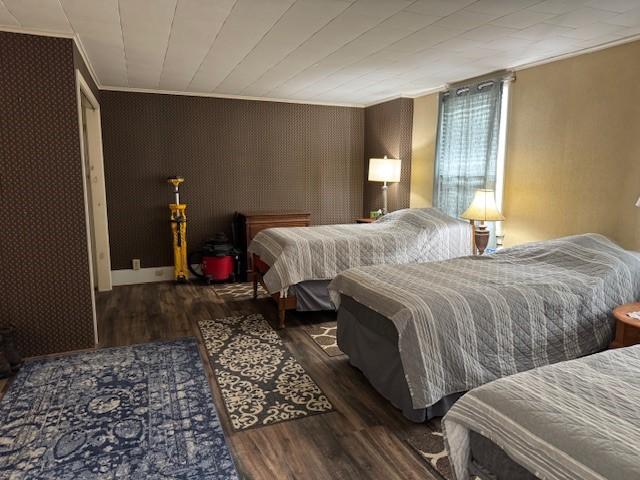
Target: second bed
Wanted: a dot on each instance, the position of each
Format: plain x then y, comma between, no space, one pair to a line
423,334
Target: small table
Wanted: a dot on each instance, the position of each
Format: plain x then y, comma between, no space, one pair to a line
627,328
365,220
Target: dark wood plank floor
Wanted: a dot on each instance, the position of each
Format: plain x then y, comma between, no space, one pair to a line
363,438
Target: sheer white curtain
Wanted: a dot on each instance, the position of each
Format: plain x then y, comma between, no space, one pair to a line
467,145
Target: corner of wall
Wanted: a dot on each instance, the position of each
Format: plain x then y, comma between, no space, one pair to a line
423,150
388,131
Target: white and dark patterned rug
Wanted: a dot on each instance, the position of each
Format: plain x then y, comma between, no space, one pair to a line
429,443
261,382
143,411
238,292
324,335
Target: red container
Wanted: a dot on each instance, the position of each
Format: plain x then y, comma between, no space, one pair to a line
218,268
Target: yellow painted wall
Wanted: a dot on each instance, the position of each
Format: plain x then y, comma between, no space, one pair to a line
573,149
423,149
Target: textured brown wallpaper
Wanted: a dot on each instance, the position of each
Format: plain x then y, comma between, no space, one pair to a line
388,130
235,155
44,273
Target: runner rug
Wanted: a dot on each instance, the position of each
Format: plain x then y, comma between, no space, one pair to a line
261,382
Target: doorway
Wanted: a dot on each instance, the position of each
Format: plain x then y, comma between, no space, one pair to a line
95,198
86,108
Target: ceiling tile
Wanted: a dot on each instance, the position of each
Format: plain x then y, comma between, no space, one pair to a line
488,33
245,26
331,50
618,6
511,44
422,39
195,27
499,7
440,8
557,7
581,17
522,19
6,18
296,26
146,28
394,29
593,31
46,15
362,16
555,45
463,21
97,22
541,30
627,19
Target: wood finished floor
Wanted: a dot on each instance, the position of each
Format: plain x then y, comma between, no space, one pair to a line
362,439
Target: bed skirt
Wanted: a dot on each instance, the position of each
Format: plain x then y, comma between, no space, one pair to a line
370,340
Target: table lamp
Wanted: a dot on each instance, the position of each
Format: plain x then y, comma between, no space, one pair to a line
483,208
384,170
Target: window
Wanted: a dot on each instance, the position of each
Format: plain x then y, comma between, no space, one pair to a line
470,145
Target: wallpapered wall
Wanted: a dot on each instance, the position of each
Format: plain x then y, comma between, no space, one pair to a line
235,155
388,130
44,274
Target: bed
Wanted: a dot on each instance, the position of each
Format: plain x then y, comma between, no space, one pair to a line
296,264
423,334
572,420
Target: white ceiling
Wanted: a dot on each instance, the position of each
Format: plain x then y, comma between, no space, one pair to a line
335,51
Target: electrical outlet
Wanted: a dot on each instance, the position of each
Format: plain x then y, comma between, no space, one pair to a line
135,263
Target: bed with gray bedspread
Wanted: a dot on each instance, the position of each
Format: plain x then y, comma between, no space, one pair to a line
572,420
465,322
299,254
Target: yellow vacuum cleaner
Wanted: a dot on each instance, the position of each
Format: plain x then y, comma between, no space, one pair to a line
179,231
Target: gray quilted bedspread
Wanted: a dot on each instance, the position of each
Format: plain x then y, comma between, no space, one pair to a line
296,254
465,322
573,420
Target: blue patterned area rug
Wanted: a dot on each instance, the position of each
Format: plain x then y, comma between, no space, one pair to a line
261,382
139,412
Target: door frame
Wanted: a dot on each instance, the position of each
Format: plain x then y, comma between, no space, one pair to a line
97,193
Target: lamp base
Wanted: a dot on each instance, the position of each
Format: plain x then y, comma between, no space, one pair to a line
481,238
384,198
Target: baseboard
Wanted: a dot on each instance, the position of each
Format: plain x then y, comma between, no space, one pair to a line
143,275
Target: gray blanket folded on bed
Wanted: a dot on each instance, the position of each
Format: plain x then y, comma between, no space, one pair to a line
465,322
297,254
572,420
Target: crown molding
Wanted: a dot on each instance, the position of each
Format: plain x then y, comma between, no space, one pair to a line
429,91
227,96
420,93
31,31
524,66
584,51
94,76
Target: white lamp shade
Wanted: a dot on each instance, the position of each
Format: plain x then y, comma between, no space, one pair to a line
638,202
483,207
384,169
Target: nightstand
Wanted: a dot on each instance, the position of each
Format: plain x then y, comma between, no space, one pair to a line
627,328
365,220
